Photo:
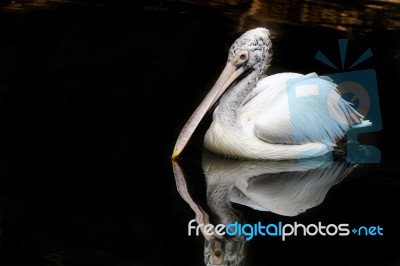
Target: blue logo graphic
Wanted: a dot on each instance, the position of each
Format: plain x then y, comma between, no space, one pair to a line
359,88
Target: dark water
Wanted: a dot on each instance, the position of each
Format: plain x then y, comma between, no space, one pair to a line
94,93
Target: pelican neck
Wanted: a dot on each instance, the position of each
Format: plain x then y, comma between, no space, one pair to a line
231,101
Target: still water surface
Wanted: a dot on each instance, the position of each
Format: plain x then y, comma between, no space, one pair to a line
94,93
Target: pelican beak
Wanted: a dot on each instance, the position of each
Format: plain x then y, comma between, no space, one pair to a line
228,75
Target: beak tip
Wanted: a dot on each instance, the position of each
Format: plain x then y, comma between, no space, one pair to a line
175,154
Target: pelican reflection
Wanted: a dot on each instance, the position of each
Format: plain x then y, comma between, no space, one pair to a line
286,188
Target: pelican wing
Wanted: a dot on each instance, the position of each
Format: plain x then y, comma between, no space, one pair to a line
291,108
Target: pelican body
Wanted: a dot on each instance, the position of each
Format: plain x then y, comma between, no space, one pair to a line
282,116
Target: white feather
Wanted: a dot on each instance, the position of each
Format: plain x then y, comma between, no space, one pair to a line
272,126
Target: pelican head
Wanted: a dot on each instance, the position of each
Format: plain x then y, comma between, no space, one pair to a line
250,52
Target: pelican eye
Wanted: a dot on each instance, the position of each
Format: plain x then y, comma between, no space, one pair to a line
243,56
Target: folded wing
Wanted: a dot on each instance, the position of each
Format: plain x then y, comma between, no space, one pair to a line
291,108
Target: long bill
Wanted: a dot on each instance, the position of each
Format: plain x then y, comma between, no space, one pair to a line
228,75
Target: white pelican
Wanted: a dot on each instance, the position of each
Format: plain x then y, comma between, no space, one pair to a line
282,116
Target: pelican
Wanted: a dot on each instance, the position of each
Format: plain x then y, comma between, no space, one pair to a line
281,116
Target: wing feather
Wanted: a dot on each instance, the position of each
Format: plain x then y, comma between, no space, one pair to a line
291,108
